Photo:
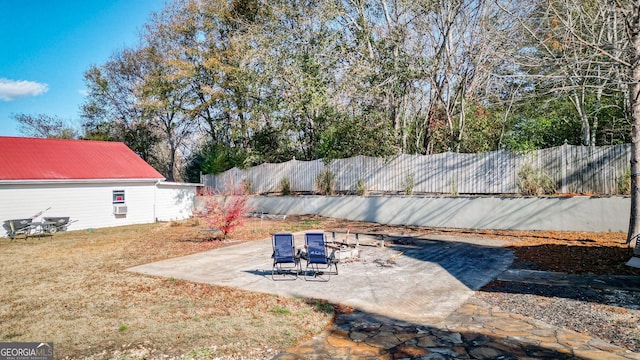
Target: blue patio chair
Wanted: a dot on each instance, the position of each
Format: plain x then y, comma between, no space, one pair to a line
319,264
285,260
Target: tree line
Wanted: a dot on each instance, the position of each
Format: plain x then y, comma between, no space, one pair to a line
218,84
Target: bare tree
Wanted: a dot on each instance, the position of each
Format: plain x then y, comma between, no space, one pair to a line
460,55
586,47
45,126
615,50
422,64
163,96
571,66
112,109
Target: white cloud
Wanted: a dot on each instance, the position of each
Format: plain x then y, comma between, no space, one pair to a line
13,89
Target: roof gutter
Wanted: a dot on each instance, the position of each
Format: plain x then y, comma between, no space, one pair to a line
78,181
178,184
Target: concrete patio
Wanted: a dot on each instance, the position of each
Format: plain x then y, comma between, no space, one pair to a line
413,279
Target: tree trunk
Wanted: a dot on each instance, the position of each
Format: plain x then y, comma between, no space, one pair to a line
634,102
578,103
172,163
596,116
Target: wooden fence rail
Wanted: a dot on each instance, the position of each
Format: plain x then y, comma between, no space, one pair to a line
573,169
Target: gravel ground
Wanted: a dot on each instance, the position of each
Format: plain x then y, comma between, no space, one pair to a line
609,314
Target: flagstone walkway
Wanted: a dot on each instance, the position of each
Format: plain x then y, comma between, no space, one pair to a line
474,331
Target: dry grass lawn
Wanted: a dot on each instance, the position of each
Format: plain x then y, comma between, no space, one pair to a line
72,289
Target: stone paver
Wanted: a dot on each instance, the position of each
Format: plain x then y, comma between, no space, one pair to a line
474,331
622,282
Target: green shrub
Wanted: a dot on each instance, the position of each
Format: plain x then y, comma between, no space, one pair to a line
534,182
454,187
361,188
409,183
248,186
326,182
624,183
285,186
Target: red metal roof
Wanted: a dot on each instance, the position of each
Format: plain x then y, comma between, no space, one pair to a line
55,159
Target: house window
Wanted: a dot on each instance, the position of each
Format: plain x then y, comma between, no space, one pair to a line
118,196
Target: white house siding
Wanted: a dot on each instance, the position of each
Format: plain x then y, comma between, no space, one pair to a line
174,201
88,204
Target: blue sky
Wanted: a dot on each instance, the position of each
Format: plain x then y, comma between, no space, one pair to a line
47,45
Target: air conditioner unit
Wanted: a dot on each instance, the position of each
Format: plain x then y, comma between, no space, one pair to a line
119,209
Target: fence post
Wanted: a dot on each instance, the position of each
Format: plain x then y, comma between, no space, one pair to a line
565,147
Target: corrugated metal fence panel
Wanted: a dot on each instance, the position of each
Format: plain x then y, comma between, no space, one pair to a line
573,169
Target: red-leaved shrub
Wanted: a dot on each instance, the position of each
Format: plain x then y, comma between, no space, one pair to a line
225,210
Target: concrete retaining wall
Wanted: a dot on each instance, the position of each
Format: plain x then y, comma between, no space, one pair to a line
581,213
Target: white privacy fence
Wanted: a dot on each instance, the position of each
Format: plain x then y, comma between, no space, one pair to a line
573,169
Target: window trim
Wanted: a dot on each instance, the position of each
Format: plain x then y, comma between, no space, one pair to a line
118,197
